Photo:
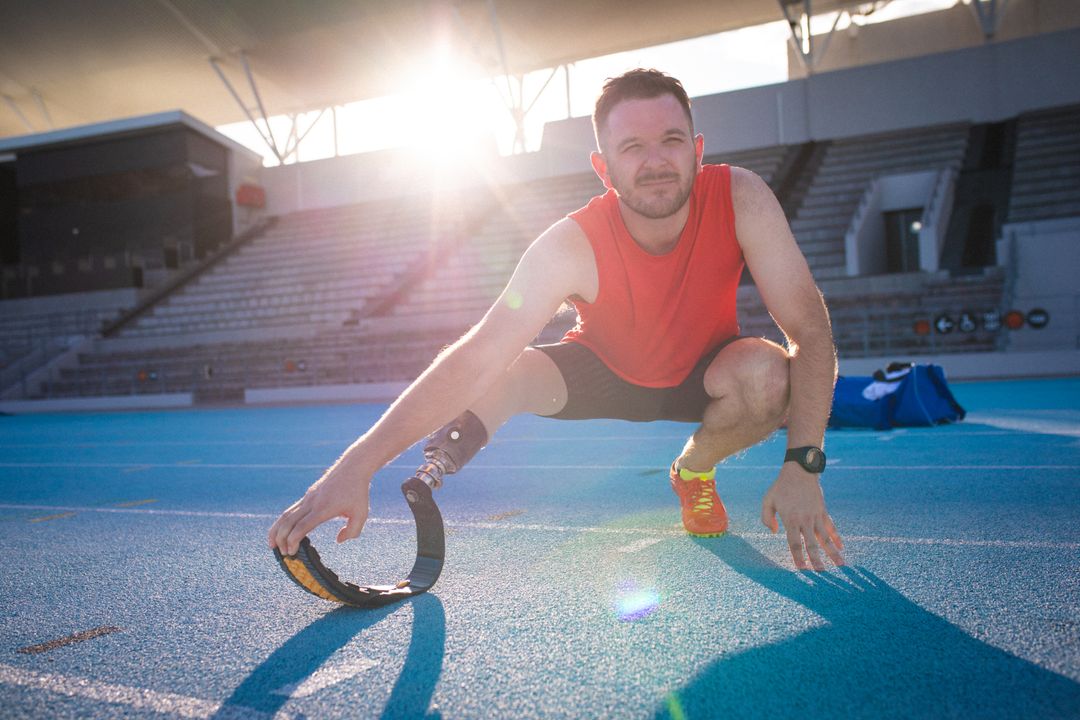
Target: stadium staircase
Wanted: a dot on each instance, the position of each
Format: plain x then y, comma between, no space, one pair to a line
793,180
981,199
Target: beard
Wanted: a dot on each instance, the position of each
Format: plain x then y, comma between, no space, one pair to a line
655,201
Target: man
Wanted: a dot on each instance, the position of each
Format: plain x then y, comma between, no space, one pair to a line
652,267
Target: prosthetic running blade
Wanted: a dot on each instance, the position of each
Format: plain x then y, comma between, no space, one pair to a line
308,571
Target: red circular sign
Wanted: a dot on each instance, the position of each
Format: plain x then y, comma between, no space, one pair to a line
1014,319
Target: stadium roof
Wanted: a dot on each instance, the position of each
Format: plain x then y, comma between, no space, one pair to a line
117,128
70,62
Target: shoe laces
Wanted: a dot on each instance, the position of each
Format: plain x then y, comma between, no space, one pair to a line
703,495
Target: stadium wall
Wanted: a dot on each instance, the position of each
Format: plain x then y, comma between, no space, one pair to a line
1043,258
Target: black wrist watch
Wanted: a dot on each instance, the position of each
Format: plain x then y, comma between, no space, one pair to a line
811,458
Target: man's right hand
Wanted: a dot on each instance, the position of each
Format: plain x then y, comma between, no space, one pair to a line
340,492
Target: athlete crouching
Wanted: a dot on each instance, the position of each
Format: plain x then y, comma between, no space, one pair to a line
652,267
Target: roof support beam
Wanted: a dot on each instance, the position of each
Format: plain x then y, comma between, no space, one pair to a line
799,14
41,106
258,100
297,137
513,99
989,14
333,116
198,34
268,136
215,54
10,102
497,28
566,69
515,102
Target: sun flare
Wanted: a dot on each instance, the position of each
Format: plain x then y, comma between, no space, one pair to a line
449,111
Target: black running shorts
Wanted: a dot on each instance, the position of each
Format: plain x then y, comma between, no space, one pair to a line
594,391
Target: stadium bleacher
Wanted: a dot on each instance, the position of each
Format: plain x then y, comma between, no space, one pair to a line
846,170
478,268
35,331
1046,170
370,292
312,268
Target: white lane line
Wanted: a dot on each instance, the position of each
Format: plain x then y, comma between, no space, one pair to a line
140,511
1014,427
545,527
638,545
1020,544
1045,423
182,465
771,466
410,468
175,443
324,677
133,697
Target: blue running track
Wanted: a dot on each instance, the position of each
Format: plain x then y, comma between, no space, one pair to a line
138,582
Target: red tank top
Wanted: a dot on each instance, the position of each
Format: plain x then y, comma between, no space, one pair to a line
655,316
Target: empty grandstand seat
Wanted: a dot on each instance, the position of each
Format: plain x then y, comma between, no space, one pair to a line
1046,167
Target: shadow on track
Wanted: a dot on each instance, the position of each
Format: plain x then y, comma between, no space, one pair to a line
880,655
305,652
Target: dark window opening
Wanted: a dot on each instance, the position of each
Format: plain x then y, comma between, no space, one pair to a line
902,228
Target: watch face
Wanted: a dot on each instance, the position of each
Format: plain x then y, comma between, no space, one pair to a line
812,459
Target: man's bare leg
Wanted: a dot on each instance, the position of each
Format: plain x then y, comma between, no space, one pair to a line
748,381
532,384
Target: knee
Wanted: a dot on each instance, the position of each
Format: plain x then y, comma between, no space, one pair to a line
755,376
772,385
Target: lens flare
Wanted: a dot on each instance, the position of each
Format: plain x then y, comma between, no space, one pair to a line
514,300
633,602
674,707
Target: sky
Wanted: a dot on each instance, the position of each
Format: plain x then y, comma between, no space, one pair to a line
472,112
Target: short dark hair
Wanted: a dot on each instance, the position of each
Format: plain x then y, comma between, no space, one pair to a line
637,84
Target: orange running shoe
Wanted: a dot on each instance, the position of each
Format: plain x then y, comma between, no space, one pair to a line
703,514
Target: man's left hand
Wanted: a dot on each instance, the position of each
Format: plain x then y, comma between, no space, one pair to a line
797,497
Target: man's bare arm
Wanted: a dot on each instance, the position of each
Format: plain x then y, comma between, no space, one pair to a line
545,276
557,265
783,278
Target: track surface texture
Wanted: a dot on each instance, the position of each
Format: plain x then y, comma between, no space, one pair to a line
139,582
